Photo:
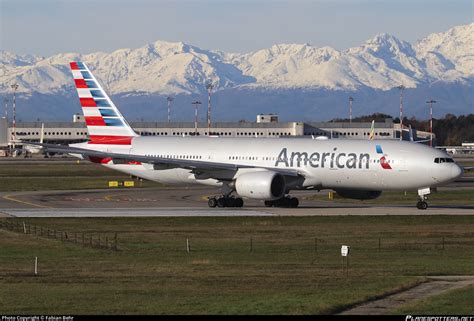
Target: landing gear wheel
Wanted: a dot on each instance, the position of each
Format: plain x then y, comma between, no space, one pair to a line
225,201
229,202
212,202
423,197
422,205
291,202
221,202
294,202
238,202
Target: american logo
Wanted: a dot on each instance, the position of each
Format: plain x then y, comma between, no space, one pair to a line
334,159
383,160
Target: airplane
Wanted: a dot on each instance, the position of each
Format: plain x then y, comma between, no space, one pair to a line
256,168
372,130
35,149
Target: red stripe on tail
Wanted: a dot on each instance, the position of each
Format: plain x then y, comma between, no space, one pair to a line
87,102
80,83
74,66
94,121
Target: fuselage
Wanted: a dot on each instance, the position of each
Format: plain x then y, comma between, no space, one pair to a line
323,164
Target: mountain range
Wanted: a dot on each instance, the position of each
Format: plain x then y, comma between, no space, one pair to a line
299,82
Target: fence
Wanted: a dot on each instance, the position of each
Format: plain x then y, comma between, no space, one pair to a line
249,243
91,240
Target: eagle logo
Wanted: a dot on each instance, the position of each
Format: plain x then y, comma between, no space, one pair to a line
383,160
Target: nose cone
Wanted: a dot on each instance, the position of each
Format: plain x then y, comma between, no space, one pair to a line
456,171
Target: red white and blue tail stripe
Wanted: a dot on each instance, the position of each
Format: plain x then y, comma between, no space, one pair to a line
104,122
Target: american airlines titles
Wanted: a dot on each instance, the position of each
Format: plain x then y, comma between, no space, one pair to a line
333,159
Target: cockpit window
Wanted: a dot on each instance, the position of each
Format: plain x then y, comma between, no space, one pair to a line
439,160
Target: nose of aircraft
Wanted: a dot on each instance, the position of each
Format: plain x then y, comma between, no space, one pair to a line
456,171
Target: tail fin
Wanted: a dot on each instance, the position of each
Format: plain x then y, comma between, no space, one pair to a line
411,134
372,130
42,133
104,122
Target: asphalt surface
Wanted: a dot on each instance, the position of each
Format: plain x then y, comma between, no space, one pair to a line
185,201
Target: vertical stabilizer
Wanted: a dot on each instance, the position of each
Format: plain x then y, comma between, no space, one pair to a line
42,133
104,122
411,134
372,130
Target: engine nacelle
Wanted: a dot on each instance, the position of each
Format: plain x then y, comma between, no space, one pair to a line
262,185
357,194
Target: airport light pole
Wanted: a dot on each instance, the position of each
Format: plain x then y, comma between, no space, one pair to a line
5,101
209,88
169,99
401,88
431,102
196,104
350,109
15,87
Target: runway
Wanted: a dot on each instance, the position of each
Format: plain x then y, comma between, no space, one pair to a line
186,202
206,212
127,212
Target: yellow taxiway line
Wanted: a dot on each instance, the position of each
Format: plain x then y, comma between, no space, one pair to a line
109,198
12,199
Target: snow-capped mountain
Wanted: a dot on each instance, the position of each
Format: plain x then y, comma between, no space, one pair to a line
140,76
161,67
452,51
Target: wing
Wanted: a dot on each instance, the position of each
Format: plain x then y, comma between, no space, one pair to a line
169,162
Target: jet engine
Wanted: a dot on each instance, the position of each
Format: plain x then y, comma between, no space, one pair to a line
358,194
262,185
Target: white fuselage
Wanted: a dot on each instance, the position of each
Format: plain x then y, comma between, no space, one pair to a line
323,164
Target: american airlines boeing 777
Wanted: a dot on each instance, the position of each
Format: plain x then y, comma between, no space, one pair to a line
257,168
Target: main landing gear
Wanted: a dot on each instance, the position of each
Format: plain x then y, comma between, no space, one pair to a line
286,201
225,201
423,196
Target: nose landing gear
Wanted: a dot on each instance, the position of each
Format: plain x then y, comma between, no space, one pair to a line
422,205
423,196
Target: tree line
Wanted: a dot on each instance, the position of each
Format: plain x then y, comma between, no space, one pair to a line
450,130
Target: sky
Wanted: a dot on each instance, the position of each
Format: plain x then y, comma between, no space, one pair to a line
47,27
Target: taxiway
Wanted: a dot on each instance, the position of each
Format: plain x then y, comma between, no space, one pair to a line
169,202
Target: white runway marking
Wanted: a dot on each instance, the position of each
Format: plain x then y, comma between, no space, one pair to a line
128,212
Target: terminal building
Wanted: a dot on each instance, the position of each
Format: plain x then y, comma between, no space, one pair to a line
265,126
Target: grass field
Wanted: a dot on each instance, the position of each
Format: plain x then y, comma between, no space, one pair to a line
249,265
42,176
